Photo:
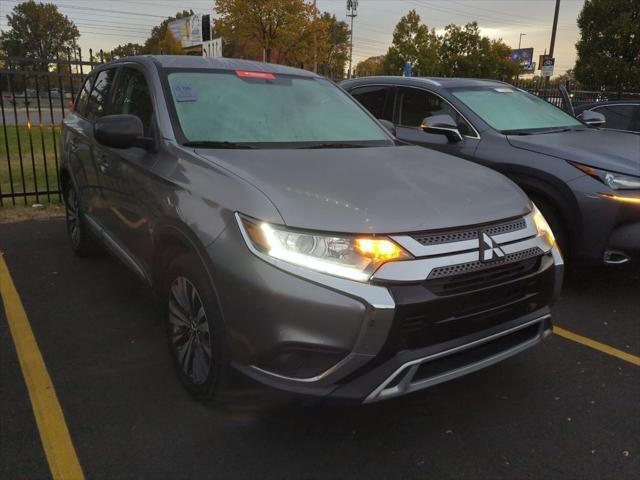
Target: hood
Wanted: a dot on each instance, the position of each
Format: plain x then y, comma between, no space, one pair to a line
605,149
375,190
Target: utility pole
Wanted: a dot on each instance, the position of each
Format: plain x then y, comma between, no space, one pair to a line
352,12
554,29
520,41
315,40
553,36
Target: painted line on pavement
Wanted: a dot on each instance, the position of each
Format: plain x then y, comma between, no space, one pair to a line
54,433
601,347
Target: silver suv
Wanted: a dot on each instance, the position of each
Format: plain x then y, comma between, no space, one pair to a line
292,238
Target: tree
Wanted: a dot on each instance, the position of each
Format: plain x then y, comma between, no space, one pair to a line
609,45
466,53
371,66
337,54
126,50
413,42
159,42
38,31
267,27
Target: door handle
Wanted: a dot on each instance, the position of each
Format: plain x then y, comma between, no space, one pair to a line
103,164
72,146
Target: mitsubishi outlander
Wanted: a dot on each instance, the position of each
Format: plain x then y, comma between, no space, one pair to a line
290,237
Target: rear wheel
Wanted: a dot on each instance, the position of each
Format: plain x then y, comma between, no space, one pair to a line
82,242
194,327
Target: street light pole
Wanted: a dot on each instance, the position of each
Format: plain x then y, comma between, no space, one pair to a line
520,41
352,12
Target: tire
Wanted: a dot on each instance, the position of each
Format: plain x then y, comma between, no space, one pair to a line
195,330
556,223
82,241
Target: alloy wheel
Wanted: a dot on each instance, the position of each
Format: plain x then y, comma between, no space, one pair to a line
73,221
189,330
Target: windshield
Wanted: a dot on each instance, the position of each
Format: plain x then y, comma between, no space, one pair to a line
510,110
236,109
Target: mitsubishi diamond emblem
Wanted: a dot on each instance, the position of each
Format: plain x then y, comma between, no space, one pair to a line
489,250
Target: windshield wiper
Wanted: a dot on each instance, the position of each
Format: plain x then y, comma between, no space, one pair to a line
515,132
212,144
332,145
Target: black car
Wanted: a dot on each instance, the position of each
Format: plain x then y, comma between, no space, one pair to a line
585,180
623,115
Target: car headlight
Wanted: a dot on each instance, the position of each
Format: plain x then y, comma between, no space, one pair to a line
544,230
349,256
615,181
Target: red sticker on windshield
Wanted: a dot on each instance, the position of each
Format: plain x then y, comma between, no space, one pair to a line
262,75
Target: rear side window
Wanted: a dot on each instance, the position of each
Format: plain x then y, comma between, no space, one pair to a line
132,97
620,117
377,99
83,98
98,99
417,104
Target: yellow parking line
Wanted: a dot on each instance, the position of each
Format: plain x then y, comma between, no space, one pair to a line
54,434
601,347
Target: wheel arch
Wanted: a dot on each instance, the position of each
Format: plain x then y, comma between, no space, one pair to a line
557,194
171,240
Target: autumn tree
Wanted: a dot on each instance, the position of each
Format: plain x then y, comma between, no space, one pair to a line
609,45
272,27
371,66
126,50
413,42
38,31
337,44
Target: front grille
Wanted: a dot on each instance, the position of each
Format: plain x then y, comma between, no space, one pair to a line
437,311
476,275
469,234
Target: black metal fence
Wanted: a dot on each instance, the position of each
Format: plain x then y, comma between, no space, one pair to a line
35,95
550,91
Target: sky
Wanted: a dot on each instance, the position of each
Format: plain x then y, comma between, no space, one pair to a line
107,23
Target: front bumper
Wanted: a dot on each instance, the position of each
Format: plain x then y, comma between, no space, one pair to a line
610,225
310,333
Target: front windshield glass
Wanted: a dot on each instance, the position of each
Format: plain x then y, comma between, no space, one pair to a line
250,108
508,109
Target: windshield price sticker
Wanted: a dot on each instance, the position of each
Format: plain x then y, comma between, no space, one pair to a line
184,93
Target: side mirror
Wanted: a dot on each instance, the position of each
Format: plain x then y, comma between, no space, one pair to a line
593,119
388,125
119,131
443,125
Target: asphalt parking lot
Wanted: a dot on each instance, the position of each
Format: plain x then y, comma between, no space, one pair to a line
560,410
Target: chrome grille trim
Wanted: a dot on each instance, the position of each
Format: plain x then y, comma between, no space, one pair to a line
440,256
466,239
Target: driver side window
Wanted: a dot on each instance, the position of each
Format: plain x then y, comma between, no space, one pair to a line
132,97
417,104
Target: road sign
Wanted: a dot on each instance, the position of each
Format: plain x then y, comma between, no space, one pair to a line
547,66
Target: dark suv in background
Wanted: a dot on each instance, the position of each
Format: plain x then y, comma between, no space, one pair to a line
586,181
290,237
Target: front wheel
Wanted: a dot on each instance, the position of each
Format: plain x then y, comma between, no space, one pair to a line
195,329
82,243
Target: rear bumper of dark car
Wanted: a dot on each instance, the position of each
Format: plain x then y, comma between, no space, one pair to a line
316,335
